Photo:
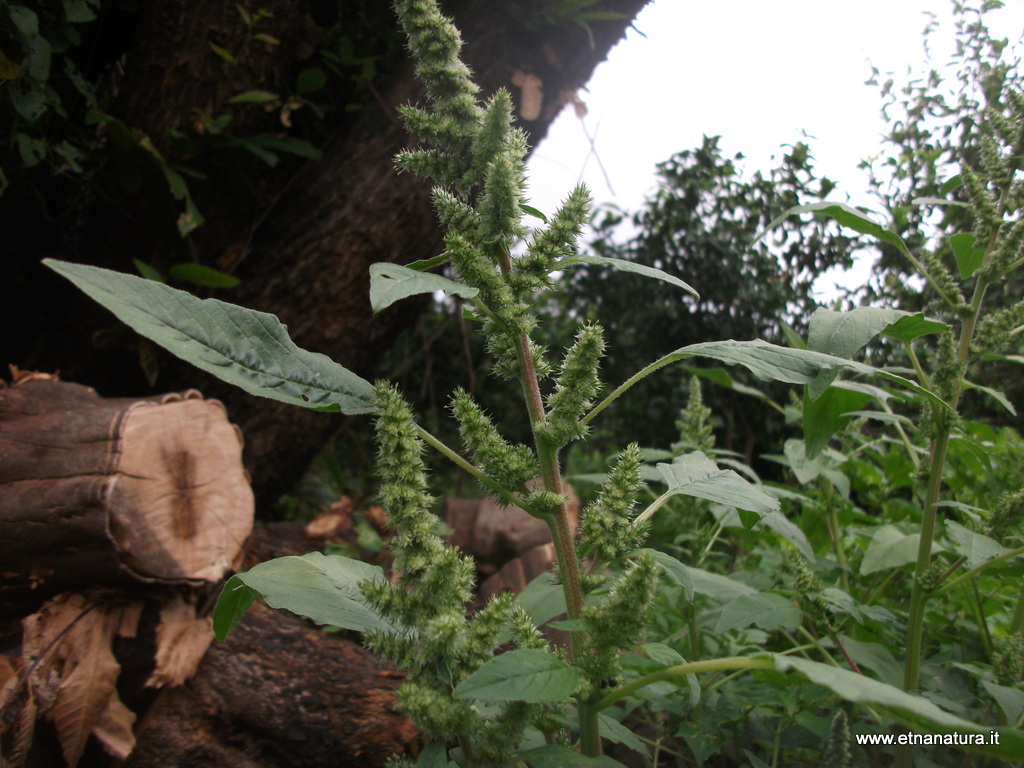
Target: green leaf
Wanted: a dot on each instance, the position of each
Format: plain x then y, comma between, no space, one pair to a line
764,610
311,80
424,264
694,474
876,657
392,282
323,588
628,266
543,599
200,274
824,465
241,346
793,366
558,756
995,394
975,547
674,570
520,675
222,52
78,11
290,144
968,258
1010,700
910,326
148,271
232,605
846,215
916,713
615,731
434,755
844,334
788,530
537,214
253,97
823,417
889,548
716,586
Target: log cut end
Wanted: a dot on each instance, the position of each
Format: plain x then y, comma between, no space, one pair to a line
181,507
106,492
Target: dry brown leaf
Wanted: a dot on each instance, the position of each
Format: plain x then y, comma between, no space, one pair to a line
181,642
17,736
19,376
88,679
130,615
114,729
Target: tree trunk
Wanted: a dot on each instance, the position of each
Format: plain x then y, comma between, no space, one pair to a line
300,237
115,492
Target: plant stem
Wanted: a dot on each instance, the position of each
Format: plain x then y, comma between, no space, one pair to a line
745,663
561,533
915,618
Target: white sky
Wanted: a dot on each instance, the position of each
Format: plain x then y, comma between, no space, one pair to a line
757,73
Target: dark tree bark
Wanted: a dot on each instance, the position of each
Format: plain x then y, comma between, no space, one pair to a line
299,236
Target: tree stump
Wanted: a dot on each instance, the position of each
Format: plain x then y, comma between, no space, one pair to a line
114,492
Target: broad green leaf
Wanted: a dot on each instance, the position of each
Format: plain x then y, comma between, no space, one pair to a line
788,530
844,334
253,97
889,548
773,363
909,327
615,731
975,547
674,570
293,145
937,201
716,586
1010,700
543,599
520,675
968,258
323,588
882,416
392,282
241,346
823,417
722,378
995,394
764,610
200,274
843,603
824,465
876,657
558,756
846,215
628,266
148,271
914,712
434,755
424,264
694,474
232,605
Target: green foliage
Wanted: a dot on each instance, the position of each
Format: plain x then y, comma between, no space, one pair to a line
892,495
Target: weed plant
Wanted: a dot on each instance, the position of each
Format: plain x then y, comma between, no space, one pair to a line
487,687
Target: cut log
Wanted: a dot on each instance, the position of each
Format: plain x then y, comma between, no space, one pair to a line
278,694
112,492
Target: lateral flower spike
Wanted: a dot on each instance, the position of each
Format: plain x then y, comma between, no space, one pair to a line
606,523
575,387
511,465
